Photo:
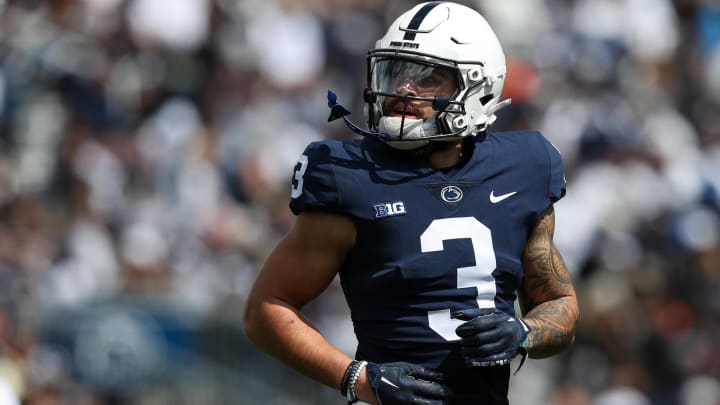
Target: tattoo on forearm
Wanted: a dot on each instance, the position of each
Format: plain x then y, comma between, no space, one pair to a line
547,296
553,327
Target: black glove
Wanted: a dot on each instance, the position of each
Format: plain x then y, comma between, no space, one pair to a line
406,383
491,338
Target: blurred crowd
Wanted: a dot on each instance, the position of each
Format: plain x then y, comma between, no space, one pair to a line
146,149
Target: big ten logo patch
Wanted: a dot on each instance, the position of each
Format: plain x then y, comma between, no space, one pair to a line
389,209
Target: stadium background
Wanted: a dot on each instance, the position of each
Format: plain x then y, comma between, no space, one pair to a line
146,148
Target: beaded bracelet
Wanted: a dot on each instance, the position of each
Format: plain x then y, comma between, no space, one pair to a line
350,378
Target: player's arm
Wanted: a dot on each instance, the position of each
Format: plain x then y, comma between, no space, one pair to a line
547,295
297,271
300,267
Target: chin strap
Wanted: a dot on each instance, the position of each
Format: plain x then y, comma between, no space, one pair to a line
339,111
336,110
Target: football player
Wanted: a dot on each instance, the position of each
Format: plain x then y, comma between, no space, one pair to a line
434,224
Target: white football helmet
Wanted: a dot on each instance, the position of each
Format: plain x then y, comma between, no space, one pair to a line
431,37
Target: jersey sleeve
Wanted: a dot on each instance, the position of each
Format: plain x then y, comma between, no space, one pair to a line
556,181
313,181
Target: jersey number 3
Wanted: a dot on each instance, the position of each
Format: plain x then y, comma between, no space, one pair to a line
478,276
297,180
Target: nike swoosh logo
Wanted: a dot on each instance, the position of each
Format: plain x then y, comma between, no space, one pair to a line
497,198
388,382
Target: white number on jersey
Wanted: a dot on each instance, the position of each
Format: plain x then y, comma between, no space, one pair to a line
478,277
297,186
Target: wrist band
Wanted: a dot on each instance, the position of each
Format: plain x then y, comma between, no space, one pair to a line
351,394
346,378
350,378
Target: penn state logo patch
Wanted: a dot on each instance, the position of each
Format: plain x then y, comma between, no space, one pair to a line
451,194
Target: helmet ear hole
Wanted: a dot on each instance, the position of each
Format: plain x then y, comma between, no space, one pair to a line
486,98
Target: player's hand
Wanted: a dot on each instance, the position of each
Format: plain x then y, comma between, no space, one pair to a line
406,383
490,338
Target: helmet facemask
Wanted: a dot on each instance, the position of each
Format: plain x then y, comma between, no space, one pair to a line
411,99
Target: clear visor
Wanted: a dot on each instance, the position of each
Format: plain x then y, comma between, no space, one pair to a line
398,76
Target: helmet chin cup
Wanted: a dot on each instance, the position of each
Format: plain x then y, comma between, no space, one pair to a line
407,133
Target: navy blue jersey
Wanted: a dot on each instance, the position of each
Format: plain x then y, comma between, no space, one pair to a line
431,242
